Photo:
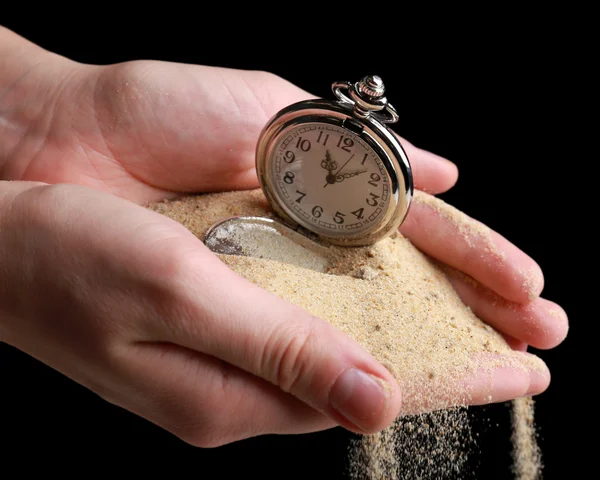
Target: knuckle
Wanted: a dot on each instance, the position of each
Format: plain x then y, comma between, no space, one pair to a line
171,277
172,264
288,358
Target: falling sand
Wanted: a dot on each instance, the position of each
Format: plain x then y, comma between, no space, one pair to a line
399,304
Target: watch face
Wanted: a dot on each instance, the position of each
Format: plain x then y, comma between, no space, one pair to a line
329,180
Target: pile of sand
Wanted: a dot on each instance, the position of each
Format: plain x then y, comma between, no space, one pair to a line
399,304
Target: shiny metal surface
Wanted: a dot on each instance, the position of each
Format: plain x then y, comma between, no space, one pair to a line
364,118
266,238
367,97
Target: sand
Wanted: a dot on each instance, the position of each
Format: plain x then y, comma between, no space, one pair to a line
526,451
399,304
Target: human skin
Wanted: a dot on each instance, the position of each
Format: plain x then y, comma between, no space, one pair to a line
133,306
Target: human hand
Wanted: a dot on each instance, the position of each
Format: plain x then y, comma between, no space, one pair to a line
130,304
149,130
145,131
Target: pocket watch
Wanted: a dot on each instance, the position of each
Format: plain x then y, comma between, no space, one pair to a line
333,169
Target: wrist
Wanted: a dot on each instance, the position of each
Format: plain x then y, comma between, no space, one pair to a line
29,75
19,56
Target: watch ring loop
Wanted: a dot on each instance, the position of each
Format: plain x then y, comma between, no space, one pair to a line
390,115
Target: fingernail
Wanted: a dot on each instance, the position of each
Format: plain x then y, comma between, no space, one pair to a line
359,397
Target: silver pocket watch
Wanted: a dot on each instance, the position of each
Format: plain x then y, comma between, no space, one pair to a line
332,169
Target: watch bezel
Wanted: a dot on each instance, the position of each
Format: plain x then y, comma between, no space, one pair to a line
376,135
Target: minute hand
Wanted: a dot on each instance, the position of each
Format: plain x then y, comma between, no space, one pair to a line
338,172
340,178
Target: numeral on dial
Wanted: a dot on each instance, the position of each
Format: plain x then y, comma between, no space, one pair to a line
289,156
348,143
289,177
303,144
302,195
374,179
323,137
373,200
317,211
339,218
359,213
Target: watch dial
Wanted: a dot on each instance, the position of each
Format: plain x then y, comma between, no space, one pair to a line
329,179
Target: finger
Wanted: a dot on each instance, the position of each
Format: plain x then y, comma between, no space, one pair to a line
515,344
453,238
205,401
431,173
191,128
281,343
497,378
541,323
501,384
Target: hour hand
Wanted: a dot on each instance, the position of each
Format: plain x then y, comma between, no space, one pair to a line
328,164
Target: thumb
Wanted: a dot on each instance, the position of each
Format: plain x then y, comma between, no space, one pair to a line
271,338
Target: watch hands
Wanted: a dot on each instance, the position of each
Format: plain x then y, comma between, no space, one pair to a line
328,164
331,178
340,178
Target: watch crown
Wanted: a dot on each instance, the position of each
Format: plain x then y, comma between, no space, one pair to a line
371,85
367,96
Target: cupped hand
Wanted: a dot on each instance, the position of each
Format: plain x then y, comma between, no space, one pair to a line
156,328
132,305
147,130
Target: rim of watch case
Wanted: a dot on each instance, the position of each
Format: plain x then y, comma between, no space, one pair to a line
371,131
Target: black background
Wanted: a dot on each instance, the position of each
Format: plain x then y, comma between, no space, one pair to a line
495,101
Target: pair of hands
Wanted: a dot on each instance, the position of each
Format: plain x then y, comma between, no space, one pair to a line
133,306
